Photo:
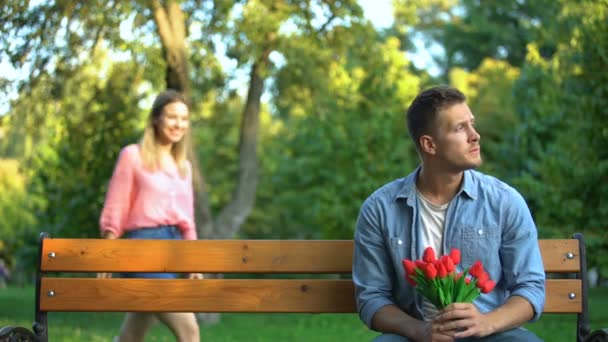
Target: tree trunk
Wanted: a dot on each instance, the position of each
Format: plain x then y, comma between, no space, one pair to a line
234,213
171,26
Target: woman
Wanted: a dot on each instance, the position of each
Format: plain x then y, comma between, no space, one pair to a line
150,196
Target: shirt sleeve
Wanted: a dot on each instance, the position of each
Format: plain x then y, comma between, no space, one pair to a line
523,269
372,273
189,232
118,197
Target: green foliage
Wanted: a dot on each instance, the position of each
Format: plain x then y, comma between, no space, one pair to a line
343,142
469,31
216,137
66,30
561,140
13,200
16,211
93,118
497,29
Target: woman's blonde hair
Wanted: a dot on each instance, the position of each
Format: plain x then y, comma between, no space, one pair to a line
149,142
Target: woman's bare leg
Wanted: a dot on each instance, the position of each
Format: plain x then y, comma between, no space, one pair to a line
183,325
135,326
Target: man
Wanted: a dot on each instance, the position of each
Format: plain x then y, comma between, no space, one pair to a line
445,204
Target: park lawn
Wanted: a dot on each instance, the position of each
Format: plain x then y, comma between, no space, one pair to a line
17,308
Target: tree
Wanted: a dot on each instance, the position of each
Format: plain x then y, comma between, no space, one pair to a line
468,31
562,162
344,134
254,29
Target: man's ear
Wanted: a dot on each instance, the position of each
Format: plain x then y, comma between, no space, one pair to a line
427,144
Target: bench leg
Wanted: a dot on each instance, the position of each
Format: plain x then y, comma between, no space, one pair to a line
40,326
582,321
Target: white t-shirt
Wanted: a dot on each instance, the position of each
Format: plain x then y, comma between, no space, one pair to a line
433,218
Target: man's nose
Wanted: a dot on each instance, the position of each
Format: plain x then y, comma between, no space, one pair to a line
475,135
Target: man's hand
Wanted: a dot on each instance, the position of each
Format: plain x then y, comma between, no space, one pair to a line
463,320
431,332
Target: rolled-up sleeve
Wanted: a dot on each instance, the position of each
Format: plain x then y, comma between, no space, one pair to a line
372,270
523,269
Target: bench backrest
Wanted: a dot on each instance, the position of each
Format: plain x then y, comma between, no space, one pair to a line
303,292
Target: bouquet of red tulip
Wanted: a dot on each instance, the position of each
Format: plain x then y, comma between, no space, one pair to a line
437,280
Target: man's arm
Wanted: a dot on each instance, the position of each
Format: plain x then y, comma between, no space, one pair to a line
523,273
373,276
514,313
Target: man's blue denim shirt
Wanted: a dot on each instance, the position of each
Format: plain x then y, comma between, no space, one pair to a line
487,220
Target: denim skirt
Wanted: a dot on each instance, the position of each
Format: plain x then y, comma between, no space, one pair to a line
155,233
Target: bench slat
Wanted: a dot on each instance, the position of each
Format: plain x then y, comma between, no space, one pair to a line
209,295
236,256
557,300
555,255
235,295
206,256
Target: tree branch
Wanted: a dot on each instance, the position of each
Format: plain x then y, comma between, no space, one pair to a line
163,26
176,19
326,24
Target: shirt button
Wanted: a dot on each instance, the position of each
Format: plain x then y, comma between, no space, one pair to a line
399,242
480,232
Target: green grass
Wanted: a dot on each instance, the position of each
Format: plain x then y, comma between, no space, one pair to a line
17,308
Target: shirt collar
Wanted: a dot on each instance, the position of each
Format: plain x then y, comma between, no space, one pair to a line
408,188
468,187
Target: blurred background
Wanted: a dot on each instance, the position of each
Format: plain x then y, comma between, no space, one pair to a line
297,108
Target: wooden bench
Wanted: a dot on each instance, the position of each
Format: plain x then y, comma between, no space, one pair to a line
324,294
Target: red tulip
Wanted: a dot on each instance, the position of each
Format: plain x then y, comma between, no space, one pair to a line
410,266
430,271
448,263
487,286
477,269
455,256
441,271
423,273
483,277
429,255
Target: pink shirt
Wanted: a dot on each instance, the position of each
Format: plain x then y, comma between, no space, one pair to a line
139,198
